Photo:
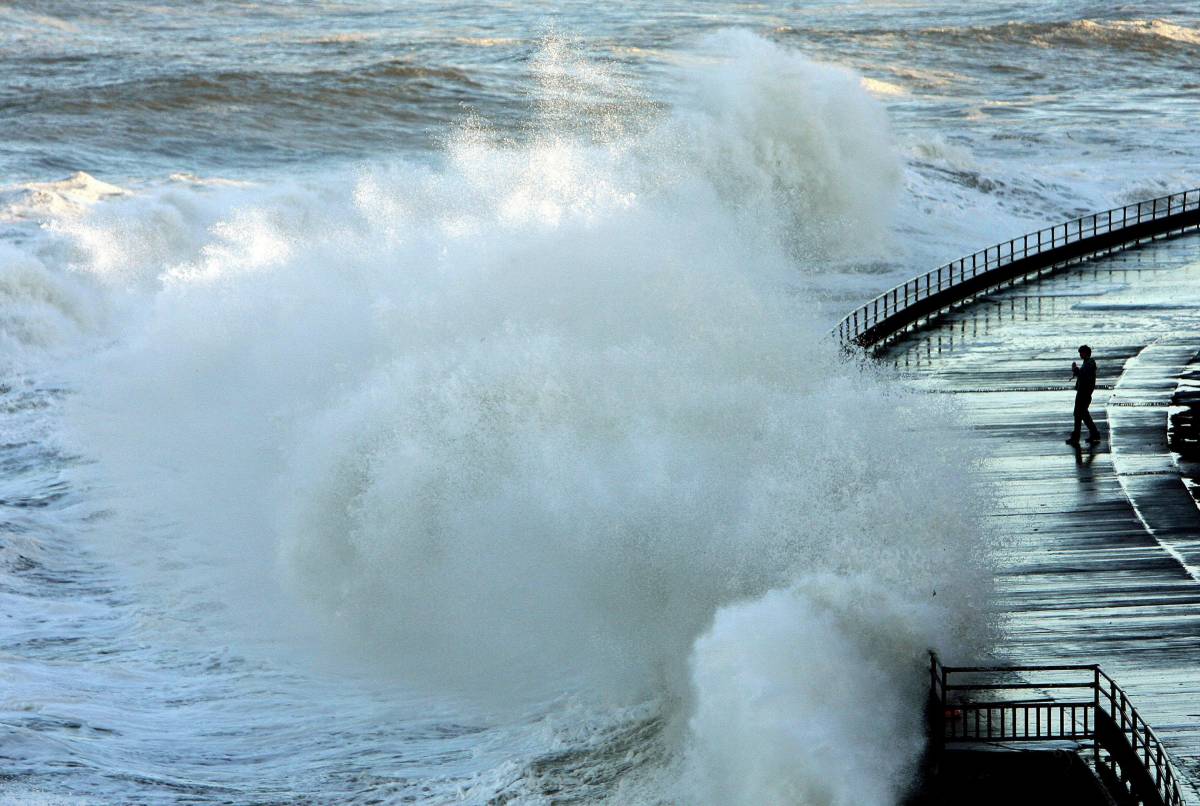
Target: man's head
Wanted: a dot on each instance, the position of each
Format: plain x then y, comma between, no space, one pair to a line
1084,351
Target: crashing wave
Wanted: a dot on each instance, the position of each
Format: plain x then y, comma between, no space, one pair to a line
559,415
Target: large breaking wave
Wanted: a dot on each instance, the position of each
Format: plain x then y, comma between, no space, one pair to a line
553,415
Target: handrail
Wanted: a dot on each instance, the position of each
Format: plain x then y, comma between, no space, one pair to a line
1136,759
926,295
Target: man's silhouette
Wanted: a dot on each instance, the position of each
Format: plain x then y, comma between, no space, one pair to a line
1085,384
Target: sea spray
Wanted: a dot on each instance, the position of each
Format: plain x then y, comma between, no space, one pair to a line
540,416
795,148
812,694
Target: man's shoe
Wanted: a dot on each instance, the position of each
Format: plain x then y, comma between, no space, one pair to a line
1073,441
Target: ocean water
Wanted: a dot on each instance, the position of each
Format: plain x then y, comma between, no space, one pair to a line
433,402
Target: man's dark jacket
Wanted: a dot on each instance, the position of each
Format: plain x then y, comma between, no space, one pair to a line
1086,382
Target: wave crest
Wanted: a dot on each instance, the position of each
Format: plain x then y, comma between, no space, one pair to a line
531,419
1153,35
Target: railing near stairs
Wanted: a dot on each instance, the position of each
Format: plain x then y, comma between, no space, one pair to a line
1002,704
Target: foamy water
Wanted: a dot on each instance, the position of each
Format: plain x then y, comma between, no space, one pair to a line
458,422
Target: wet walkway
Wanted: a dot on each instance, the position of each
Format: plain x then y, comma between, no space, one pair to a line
1100,556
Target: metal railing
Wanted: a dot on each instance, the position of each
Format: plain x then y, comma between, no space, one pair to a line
928,294
1128,756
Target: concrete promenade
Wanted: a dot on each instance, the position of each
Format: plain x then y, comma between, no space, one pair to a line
1100,549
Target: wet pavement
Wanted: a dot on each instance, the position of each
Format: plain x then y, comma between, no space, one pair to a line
1099,549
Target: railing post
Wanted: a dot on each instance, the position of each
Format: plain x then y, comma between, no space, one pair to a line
1132,730
1095,714
945,696
937,707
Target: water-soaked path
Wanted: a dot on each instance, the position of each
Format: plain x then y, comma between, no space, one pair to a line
1100,554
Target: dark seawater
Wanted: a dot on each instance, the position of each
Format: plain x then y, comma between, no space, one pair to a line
138,90
430,402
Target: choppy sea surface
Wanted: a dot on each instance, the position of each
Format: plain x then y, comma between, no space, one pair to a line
433,403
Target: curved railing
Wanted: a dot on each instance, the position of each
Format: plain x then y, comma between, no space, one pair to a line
927,295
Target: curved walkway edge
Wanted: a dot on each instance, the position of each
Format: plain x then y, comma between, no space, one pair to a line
1138,418
1097,551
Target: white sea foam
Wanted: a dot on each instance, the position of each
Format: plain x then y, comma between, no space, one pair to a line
42,309
813,694
883,89
544,416
1154,29
39,201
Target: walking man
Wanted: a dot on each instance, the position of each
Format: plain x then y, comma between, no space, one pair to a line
1085,384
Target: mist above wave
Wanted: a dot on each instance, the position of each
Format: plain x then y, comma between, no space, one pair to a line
543,415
